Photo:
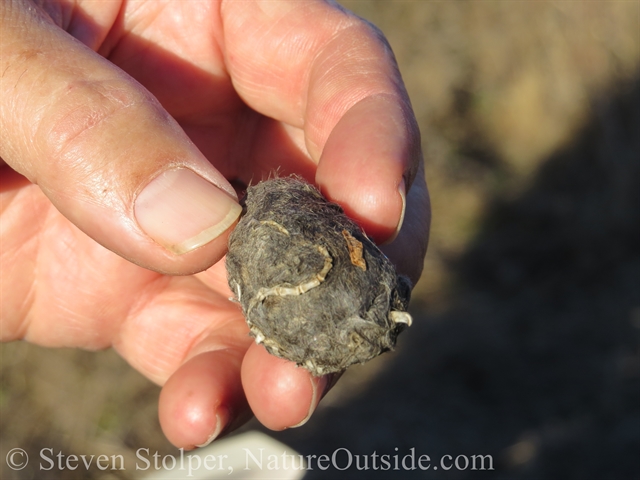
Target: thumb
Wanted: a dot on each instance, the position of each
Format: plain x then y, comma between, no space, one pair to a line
105,152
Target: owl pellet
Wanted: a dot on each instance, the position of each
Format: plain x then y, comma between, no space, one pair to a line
313,288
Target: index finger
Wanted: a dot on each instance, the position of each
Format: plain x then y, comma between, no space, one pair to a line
315,66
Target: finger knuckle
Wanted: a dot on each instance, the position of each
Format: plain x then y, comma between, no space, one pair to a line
82,107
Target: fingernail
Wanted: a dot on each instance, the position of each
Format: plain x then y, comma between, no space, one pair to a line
318,387
214,435
182,211
403,197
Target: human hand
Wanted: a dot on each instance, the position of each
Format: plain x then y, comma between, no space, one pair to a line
116,192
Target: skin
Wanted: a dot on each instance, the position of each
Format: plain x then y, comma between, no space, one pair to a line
97,98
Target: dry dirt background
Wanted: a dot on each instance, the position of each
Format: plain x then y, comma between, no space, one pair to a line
525,344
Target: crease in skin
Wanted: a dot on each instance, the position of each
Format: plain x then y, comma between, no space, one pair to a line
85,116
144,301
13,205
19,330
201,344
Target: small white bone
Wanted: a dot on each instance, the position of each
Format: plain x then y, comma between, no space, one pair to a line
275,225
401,317
314,281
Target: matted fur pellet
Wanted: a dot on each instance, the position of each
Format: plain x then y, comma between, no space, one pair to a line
313,288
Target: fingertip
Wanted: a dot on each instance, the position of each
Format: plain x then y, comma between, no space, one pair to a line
365,165
280,394
201,400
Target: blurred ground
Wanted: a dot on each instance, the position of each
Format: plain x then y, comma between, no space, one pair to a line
525,344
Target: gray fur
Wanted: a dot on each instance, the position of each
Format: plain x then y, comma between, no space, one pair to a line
305,293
